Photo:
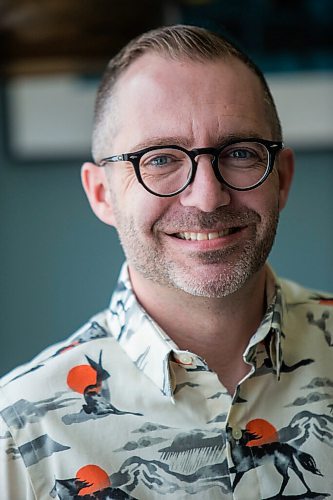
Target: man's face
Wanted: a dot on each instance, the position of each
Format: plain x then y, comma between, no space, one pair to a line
160,102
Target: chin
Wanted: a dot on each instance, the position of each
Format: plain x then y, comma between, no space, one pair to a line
218,286
215,279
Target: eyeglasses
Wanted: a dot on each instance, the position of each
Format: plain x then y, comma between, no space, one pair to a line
167,170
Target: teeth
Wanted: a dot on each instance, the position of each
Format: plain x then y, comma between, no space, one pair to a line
203,236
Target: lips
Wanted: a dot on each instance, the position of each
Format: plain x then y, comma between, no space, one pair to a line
218,227
202,236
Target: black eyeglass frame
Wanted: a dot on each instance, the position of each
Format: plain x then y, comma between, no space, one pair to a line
272,148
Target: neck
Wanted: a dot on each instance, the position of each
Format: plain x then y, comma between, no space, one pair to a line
217,329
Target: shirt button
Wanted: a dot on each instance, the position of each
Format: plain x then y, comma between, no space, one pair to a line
185,359
236,433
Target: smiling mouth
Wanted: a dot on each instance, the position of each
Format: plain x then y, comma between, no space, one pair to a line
192,236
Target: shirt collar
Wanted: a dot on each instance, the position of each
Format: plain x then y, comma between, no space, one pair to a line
139,335
152,350
270,329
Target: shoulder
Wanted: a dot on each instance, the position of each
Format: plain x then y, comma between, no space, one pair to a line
307,321
45,373
306,306
294,294
40,401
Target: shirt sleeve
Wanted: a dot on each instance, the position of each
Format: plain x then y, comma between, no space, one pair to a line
15,480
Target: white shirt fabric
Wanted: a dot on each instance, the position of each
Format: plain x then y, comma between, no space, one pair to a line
118,411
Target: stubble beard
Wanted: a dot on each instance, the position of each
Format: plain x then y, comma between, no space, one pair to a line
239,261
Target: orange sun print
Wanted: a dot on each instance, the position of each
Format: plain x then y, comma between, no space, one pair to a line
81,376
264,431
93,475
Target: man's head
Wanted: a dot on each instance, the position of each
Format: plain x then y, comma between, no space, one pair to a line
186,87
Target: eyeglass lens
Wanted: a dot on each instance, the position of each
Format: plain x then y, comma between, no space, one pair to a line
166,170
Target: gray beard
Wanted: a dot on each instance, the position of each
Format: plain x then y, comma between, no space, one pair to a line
154,264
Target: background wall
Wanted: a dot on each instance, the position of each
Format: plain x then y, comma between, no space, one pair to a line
58,263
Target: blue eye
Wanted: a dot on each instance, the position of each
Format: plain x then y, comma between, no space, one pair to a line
160,161
241,154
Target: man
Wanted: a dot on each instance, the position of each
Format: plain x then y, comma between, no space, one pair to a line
207,376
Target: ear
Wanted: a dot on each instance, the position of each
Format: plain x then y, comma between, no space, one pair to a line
285,169
95,184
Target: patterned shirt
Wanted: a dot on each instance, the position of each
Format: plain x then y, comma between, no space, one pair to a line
118,411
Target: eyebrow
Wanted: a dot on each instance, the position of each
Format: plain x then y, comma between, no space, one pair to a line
186,143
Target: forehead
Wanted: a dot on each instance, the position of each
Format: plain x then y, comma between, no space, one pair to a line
161,97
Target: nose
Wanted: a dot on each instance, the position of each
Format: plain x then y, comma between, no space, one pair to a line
206,192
